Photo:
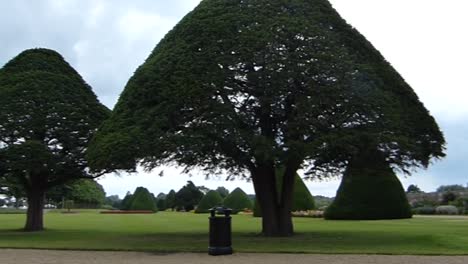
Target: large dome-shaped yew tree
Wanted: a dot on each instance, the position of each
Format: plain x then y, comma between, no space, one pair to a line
253,85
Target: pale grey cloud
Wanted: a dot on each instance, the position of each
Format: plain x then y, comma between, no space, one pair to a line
106,40
425,40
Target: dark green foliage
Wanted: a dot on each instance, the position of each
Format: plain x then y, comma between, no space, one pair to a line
451,188
413,189
114,201
322,202
47,116
448,197
223,192
237,200
249,34
170,199
142,199
126,202
369,190
210,200
161,204
302,200
188,197
85,193
253,85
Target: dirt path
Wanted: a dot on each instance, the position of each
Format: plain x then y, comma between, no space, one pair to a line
11,256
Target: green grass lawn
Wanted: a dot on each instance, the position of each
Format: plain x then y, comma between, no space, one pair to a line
187,232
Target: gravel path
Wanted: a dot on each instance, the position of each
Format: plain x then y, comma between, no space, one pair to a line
13,256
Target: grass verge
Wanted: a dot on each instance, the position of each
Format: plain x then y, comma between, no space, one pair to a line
187,232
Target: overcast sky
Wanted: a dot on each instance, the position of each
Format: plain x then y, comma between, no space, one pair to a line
105,41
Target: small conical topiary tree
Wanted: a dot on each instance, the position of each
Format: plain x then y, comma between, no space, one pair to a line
302,199
210,200
369,190
142,199
237,200
125,204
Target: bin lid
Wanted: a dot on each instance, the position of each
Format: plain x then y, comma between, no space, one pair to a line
220,210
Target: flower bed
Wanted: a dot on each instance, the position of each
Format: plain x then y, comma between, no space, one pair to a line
128,212
310,213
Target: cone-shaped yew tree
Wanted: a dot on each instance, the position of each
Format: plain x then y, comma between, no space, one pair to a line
47,116
252,85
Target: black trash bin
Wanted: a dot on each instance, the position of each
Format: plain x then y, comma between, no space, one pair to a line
220,231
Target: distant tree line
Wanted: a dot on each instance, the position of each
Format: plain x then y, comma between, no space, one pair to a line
452,198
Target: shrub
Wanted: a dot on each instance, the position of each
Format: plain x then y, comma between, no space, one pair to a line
107,207
369,190
142,199
237,200
210,200
446,210
424,210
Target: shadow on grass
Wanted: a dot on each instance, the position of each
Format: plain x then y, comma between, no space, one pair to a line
324,242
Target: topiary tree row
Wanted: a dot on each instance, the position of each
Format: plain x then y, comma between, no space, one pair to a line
237,200
141,199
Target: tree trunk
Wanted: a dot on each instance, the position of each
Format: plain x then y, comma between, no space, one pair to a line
287,197
276,213
35,213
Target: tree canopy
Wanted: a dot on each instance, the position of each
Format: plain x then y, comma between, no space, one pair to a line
171,199
222,191
451,188
47,116
251,85
413,188
188,197
85,193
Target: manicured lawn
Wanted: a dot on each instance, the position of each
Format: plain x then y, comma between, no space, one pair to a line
186,232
